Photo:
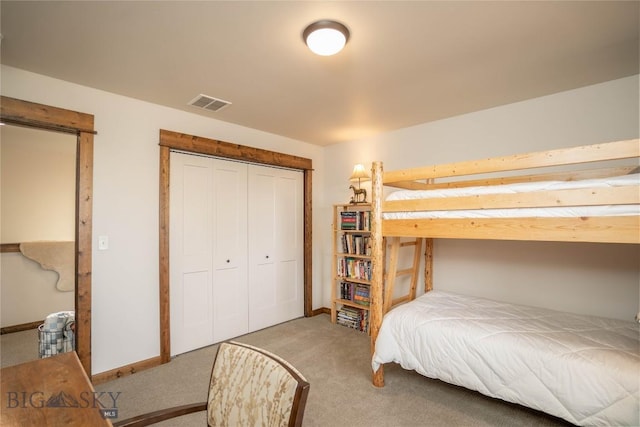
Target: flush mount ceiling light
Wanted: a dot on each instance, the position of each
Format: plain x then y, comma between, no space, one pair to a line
326,37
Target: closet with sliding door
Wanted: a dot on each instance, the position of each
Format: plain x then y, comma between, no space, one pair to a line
236,249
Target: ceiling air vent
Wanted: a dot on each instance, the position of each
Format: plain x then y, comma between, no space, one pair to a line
208,103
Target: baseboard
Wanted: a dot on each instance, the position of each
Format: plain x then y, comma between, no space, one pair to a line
21,327
322,310
126,370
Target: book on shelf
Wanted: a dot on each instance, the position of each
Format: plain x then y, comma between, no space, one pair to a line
354,268
355,220
356,244
356,318
366,220
347,290
357,293
361,294
348,220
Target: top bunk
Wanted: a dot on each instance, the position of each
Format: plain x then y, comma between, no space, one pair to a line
587,193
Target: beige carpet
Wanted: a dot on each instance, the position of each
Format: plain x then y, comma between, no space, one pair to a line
335,360
18,347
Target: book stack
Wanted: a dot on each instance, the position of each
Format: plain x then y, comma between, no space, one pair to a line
354,268
365,221
361,294
355,220
356,244
349,220
356,318
347,290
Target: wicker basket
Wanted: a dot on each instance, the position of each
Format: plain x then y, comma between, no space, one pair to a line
54,342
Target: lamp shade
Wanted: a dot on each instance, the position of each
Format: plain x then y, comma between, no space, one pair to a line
359,174
326,37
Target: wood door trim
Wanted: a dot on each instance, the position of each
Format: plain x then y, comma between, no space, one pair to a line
39,116
170,140
227,150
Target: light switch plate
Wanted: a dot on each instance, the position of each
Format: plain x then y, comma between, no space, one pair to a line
103,243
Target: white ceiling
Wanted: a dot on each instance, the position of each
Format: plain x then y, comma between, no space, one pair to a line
406,62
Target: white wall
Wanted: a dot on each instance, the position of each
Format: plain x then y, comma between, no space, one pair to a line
600,279
38,185
28,292
125,317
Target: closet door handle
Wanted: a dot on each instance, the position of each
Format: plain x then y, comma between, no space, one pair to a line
228,261
267,257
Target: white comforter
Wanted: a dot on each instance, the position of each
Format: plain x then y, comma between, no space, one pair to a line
583,369
523,187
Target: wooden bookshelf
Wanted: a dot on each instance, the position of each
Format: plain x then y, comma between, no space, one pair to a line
351,266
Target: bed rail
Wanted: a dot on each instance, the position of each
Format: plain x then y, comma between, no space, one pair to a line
627,149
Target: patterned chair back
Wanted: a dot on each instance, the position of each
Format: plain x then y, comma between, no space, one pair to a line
252,387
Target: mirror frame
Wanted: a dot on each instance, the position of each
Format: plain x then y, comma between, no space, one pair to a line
29,114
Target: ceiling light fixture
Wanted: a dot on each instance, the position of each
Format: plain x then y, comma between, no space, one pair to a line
325,37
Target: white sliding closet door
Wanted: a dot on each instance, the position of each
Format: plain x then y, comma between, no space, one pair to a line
236,256
191,250
276,238
230,290
208,251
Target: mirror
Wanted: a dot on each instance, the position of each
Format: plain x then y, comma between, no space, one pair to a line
38,178
81,125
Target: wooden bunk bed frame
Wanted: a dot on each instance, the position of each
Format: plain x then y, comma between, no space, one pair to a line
512,169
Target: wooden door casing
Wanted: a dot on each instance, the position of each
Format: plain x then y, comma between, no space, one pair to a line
170,140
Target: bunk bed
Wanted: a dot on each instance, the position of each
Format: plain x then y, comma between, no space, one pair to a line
583,369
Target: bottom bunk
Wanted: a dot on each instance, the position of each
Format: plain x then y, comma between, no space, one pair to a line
583,369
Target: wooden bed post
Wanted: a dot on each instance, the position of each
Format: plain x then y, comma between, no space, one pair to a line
428,265
377,268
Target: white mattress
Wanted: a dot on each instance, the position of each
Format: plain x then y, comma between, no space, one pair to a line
583,369
572,211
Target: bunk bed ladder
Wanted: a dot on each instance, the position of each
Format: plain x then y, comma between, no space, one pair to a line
392,272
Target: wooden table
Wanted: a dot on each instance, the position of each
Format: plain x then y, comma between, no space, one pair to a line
54,391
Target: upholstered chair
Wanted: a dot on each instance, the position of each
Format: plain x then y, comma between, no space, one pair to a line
249,387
